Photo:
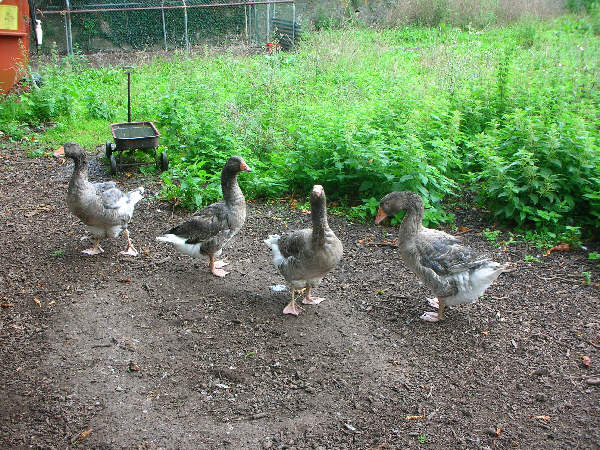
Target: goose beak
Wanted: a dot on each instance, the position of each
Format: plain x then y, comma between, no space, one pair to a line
380,215
244,167
60,152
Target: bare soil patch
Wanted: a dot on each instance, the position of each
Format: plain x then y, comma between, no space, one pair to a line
153,352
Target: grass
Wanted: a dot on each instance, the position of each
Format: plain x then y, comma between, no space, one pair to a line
509,113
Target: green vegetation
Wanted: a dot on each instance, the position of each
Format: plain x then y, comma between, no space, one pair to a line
508,113
531,258
587,277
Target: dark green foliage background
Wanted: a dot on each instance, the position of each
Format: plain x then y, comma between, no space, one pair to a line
507,116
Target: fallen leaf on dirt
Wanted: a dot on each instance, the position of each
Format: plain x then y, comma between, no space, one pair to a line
544,418
485,333
60,151
586,361
125,280
393,243
305,211
152,394
563,247
363,240
51,303
6,305
81,436
40,208
133,367
37,301
498,431
146,251
276,218
463,229
414,417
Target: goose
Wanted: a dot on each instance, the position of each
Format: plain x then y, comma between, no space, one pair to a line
304,257
211,228
454,272
102,207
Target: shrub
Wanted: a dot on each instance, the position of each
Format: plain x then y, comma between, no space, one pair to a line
540,171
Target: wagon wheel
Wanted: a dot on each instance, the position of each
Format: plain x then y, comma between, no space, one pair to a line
164,161
109,149
113,164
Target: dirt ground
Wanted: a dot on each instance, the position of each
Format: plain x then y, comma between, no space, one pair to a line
153,352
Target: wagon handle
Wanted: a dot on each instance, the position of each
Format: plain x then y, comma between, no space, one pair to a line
128,71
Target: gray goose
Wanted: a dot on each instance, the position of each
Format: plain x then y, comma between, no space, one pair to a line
209,230
304,257
101,206
454,272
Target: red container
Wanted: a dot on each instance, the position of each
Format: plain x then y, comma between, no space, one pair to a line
14,41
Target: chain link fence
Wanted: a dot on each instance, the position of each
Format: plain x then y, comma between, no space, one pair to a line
104,25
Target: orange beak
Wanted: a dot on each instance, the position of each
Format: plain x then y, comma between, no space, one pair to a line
380,215
244,167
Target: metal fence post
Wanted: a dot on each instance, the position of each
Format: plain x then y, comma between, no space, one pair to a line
162,10
255,24
68,25
246,20
294,24
268,20
185,23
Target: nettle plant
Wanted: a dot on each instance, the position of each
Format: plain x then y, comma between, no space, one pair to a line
540,171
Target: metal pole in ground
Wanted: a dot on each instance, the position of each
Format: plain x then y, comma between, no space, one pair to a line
293,24
69,33
163,24
246,20
185,23
128,93
255,24
66,35
268,24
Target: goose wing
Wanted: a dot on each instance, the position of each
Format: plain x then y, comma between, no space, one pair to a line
112,198
105,186
207,223
445,254
294,244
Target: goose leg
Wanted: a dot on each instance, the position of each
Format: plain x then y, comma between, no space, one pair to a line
435,317
292,308
219,264
433,302
95,250
130,250
308,300
216,271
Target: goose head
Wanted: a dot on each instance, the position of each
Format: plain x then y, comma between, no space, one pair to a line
318,194
75,152
394,202
236,164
